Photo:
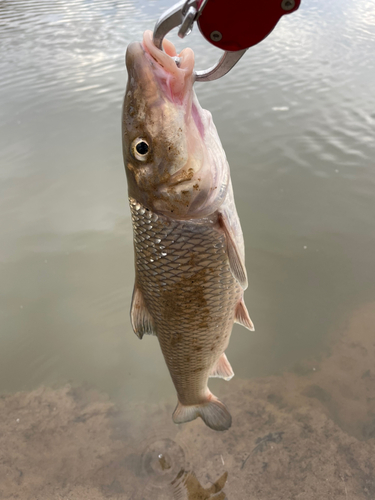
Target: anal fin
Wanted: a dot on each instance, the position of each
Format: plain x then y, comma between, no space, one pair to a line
140,318
242,316
222,369
237,266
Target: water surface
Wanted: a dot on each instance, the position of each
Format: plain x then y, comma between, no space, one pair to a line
296,118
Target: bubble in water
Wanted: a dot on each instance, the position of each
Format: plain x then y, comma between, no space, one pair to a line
161,462
166,469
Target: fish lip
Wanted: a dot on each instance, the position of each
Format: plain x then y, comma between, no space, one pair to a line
133,50
138,51
181,76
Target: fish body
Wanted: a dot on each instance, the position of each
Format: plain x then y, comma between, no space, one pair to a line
189,251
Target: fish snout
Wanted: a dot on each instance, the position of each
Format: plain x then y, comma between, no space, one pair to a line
133,53
140,68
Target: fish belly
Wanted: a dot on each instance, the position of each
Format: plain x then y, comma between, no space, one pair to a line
183,273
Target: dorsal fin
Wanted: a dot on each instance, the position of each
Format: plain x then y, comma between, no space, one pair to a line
140,318
237,266
242,316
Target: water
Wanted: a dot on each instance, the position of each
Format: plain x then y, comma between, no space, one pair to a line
296,118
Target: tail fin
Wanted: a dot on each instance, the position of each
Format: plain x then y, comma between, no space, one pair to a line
214,414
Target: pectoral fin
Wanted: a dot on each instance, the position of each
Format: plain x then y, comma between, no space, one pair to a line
237,266
222,369
140,318
242,316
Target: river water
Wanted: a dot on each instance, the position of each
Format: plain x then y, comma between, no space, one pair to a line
296,118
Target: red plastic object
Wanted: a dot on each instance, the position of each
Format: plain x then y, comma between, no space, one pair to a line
241,23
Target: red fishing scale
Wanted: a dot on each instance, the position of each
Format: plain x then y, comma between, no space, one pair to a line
233,26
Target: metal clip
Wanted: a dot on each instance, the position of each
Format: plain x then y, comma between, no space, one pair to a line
190,13
184,14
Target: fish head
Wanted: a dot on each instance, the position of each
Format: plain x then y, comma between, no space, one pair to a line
174,160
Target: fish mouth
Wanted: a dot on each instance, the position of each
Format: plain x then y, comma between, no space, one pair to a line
146,62
166,58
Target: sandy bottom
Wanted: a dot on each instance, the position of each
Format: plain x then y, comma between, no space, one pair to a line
306,435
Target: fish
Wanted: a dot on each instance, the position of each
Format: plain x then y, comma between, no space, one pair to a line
190,273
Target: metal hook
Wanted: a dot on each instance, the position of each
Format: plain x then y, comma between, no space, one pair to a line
184,14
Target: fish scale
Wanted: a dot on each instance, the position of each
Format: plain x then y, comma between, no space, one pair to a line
183,272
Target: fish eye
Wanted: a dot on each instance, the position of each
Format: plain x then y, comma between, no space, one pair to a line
140,149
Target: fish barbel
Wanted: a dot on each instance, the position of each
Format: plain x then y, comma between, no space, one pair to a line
189,251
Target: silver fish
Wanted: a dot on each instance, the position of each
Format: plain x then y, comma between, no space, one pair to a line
188,243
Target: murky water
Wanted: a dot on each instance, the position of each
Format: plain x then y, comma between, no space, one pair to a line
296,118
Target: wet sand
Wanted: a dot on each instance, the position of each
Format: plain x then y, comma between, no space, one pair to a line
306,435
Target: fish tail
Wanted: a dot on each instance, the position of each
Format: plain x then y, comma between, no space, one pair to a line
214,414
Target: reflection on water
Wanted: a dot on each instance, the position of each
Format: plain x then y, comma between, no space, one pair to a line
296,118
187,487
